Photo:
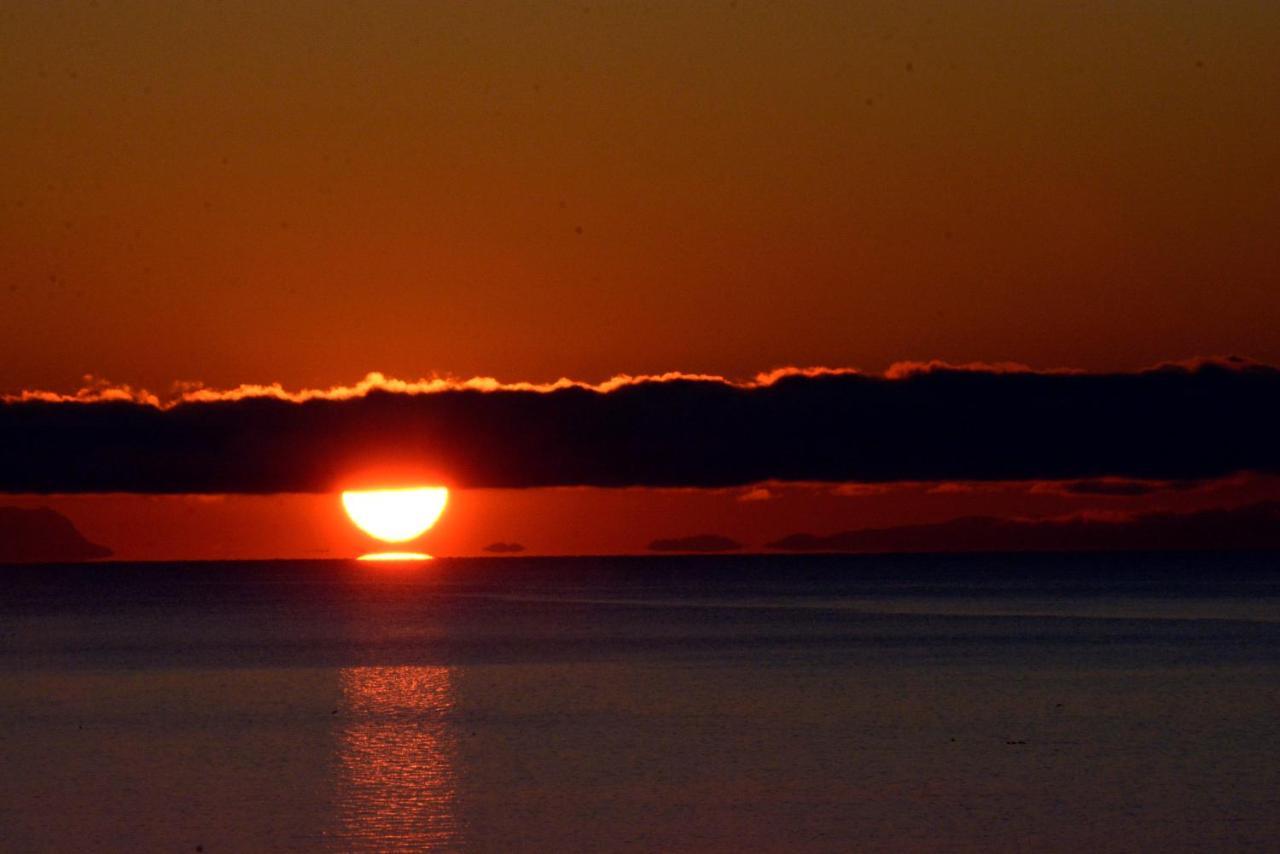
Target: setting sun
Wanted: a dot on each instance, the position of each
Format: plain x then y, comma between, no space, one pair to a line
395,515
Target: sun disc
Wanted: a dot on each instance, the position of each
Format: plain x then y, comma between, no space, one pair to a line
395,515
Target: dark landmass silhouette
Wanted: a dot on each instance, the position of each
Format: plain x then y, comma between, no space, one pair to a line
43,535
696,543
502,548
1182,422
1254,526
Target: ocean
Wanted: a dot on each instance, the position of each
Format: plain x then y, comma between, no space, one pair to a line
1102,702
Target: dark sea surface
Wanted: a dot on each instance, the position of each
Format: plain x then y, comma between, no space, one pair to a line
1010,703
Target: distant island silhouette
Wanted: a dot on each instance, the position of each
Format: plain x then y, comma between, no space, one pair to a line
42,535
696,543
501,548
1253,526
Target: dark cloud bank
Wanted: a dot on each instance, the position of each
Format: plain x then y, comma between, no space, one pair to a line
1169,423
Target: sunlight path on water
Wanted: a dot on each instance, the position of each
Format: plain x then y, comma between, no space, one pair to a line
396,788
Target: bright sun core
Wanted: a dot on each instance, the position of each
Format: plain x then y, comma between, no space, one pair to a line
395,515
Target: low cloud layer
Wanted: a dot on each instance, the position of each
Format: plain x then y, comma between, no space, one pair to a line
929,423
1113,487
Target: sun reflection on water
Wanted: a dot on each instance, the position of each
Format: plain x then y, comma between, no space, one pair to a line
395,776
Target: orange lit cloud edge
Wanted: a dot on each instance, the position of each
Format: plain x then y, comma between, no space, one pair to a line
97,390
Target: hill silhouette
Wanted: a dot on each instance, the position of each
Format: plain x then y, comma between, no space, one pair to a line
43,535
1254,526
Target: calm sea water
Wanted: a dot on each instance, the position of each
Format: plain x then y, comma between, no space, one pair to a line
1030,703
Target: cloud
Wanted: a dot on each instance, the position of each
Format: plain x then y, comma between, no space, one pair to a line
98,390
1174,422
1113,487
43,535
1255,526
902,370
696,543
859,490
758,493
953,488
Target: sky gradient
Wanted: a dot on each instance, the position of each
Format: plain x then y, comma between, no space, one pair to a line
301,193
202,195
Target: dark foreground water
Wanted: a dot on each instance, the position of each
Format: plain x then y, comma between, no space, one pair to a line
1033,703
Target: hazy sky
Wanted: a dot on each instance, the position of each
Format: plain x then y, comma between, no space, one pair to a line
304,192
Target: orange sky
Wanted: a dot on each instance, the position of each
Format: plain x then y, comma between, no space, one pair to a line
244,192
582,520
